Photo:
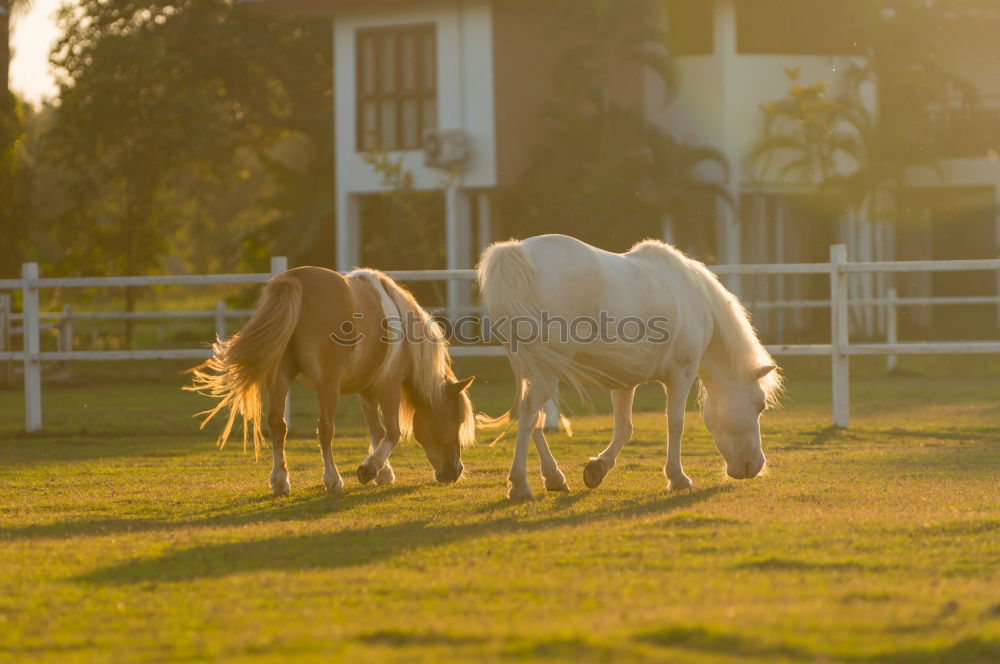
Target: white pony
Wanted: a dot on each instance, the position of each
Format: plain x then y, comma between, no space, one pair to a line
570,312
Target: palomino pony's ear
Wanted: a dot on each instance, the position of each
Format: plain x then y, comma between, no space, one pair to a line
764,370
460,386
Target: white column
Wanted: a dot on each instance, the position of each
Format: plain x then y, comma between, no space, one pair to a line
728,222
484,214
667,232
839,336
32,347
459,245
729,240
348,232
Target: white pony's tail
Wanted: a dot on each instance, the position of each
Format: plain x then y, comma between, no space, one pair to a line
507,282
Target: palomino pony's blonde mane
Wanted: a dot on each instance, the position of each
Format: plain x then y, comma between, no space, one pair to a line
428,369
731,321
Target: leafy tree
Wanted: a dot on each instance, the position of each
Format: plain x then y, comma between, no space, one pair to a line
14,189
163,108
14,178
8,9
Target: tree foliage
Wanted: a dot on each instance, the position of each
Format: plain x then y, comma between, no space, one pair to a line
163,107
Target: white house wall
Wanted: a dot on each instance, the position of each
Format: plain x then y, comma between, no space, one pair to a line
465,89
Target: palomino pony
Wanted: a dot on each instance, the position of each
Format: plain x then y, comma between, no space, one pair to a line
574,286
345,335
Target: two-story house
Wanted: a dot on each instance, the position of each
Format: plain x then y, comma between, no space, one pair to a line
484,67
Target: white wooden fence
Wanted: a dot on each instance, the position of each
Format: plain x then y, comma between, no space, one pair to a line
840,349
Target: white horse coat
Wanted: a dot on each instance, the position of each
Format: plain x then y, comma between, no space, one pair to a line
558,280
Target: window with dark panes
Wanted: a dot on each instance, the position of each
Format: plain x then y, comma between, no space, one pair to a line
690,27
396,86
799,27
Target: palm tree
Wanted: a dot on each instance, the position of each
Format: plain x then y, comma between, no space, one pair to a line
601,171
859,147
607,39
681,192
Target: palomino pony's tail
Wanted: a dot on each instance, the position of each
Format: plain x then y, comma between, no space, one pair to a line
249,360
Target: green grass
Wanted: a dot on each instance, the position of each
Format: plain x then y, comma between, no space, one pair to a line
126,536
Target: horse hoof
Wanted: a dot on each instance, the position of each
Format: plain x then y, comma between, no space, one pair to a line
593,473
558,484
281,489
679,484
385,476
519,492
366,473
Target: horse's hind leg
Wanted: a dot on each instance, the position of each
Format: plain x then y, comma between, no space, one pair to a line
528,414
329,401
278,392
599,466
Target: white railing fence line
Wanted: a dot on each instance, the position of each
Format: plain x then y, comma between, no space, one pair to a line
840,349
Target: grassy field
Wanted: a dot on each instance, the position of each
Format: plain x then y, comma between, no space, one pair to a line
126,536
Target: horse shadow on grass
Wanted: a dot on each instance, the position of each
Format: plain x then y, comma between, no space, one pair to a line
355,547
731,645
306,505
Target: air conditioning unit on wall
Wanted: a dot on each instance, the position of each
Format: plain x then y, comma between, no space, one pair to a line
446,149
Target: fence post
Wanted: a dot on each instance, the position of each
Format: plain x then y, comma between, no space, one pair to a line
279,264
839,336
66,329
66,336
5,345
32,347
220,318
891,326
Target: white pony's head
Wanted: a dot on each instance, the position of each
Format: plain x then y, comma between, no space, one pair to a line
731,409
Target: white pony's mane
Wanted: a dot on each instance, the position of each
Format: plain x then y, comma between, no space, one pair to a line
429,364
731,321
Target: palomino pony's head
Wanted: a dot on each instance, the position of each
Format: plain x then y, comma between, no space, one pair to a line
435,408
445,427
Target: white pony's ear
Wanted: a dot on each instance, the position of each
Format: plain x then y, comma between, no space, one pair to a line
763,371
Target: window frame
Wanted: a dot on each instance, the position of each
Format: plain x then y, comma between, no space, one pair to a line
421,92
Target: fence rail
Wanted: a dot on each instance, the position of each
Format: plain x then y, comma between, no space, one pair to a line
840,349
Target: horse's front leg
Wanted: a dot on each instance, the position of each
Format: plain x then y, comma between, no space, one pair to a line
553,476
599,466
678,389
376,434
528,414
384,437
329,401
